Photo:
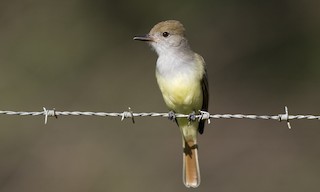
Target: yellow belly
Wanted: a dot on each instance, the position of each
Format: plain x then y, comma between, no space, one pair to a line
182,94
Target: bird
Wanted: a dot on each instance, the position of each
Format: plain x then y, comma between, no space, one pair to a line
182,78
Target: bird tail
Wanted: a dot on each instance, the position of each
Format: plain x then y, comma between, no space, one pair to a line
191,171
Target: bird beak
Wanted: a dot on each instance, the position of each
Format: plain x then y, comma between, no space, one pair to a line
143,38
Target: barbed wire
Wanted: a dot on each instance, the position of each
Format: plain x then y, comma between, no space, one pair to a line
129,114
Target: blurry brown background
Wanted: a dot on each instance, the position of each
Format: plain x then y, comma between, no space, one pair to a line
79,55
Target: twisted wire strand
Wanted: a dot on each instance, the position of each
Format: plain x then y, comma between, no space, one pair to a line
129,114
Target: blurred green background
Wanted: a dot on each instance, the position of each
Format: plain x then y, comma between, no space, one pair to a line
79,55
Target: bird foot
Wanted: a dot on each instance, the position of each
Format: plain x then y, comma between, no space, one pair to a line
171,116
192,116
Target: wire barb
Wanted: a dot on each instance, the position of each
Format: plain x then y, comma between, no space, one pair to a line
49,113
128,114
285,117
204,115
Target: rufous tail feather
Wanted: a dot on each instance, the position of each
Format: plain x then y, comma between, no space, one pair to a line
191,171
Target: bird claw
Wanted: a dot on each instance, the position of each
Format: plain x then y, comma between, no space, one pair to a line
171,116
192,116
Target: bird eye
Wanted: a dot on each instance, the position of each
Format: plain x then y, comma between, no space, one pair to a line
165,34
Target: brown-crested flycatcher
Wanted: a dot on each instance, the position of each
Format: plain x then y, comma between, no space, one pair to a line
181,76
